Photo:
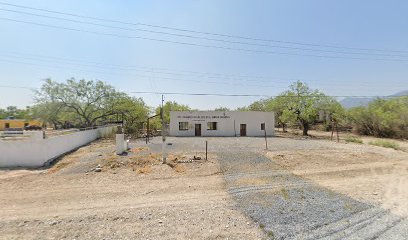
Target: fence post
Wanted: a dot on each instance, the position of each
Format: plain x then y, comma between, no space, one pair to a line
206,149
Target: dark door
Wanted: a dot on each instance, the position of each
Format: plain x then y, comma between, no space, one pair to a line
242,130
198,129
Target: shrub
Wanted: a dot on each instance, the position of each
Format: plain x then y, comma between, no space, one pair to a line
353,139
386,144
382,118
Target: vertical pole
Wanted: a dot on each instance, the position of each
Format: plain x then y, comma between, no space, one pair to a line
235,132
163,136
332,127
147,131
206,149
266,139
337,130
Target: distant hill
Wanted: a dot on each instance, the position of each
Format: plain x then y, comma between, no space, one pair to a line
402,93
358,102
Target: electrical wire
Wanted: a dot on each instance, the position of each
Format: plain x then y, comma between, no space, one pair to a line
201,45
206,38
200,32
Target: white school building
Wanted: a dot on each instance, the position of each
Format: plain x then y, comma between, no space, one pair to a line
221,124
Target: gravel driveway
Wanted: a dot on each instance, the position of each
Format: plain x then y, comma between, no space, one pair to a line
287,206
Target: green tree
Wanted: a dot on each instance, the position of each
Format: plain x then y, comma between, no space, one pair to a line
381,118
222,109
13,111
91,101
259,105
171,106
300,104
135,112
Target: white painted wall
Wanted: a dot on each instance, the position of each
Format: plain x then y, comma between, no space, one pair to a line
228,123
35,151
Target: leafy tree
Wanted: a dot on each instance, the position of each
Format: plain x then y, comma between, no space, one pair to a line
171,106
299,104
135,112
222,109
258,105
243,109
13,111
382,118
90,101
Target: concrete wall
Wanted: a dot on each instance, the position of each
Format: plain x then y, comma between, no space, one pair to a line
36,151
228,123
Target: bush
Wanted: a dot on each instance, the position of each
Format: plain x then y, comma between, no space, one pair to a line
353,139
386,144
382,118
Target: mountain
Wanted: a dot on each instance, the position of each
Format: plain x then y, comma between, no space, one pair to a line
351,102
398,94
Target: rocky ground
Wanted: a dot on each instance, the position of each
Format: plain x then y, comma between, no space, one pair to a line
299,188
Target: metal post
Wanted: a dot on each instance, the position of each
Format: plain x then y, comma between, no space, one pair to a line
206,149
266,139
163,136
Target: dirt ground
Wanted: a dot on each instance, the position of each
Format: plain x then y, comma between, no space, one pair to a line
135,196
367,173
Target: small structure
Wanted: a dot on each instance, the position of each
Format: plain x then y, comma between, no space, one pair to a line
17,123
222,124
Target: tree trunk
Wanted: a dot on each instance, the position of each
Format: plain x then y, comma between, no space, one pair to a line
305,126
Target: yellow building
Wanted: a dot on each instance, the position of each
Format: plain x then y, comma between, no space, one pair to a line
17,123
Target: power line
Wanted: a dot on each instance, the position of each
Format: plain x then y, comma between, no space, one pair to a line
201,45
201,32
206,38
231,95
256,95
75,62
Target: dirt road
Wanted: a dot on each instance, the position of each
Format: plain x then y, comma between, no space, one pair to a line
297,189
65,202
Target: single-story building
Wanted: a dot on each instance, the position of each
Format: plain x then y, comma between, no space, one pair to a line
222,124
18,123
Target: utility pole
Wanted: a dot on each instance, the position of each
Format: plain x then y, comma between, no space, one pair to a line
163,136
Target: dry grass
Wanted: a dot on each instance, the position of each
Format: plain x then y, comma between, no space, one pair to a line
144,170
285,193
136,150
179,168
58,166
386,144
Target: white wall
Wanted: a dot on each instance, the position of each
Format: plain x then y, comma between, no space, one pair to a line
225,123
35,151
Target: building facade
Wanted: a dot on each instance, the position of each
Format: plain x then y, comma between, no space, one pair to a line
17,123
221,124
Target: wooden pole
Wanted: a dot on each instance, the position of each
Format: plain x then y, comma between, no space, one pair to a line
337,130
206,149
266,139
332,127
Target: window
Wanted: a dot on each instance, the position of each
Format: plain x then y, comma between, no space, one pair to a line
7,125
212,126
183,126
262,126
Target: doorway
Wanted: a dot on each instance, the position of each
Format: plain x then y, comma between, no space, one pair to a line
242,130
198,130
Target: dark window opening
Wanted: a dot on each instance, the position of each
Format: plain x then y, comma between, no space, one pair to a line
183,126
7,125
212,126
262,126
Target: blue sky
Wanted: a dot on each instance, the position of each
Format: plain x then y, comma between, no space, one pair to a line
30,53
